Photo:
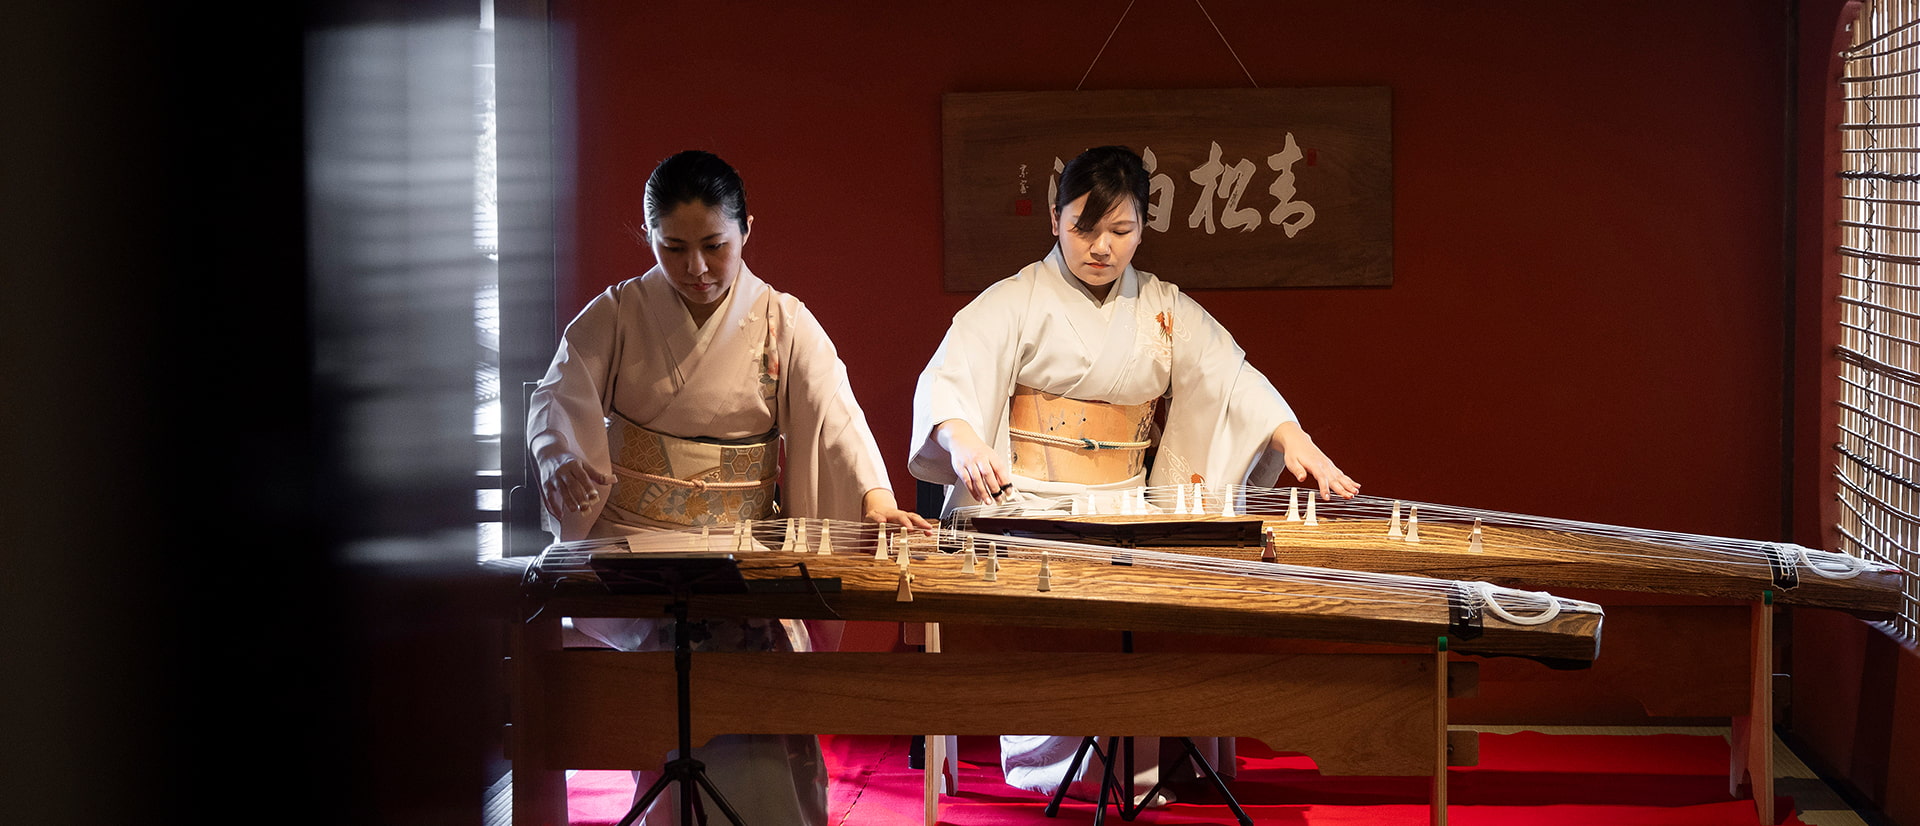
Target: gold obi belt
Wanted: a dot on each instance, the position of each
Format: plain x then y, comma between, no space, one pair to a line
667,479
1058,439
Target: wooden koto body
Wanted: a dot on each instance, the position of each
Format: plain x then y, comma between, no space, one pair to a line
1084,594
1509,556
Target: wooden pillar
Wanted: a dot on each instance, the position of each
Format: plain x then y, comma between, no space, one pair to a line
539,787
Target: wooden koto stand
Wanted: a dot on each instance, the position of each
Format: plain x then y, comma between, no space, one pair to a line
1753,732
1368,714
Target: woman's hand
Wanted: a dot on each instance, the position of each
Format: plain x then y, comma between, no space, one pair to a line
978,467
879,506
1305,459
569,485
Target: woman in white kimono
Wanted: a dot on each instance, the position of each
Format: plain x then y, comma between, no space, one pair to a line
1047,383
666,406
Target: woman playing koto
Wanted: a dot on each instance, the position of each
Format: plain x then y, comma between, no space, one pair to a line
667,405
1047,384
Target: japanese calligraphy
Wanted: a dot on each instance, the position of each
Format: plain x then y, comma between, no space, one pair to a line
1159,193
1219,180
1282,189
1053,184
1222,185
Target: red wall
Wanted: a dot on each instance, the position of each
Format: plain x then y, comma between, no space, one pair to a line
1586,316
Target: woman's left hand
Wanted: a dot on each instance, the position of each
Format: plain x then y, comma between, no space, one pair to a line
1304,459
880,507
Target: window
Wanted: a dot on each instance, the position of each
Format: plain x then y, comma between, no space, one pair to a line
1877,456
486,301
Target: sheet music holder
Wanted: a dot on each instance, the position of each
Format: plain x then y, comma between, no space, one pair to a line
680,576
698,572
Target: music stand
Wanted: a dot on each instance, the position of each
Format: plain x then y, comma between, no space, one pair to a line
679,576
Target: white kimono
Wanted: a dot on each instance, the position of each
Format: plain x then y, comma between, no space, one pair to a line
760,363
1043,329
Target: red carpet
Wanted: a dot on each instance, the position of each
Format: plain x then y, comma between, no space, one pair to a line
1523,779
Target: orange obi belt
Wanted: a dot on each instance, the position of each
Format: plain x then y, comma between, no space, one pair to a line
1057,439
662,478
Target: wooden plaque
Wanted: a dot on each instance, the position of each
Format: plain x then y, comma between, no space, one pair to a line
1250,187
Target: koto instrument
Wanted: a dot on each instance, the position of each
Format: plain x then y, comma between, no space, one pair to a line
1703,672
1382,711
1388,536
966,577
961,576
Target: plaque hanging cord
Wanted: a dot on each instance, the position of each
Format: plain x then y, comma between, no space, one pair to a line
1123,19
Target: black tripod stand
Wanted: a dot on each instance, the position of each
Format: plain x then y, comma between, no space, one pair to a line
681,577
1122,791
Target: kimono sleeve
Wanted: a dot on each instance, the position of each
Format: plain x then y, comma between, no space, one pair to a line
970,377
1222,412
566,415
832,458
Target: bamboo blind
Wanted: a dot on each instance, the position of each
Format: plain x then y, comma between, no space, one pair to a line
1877,457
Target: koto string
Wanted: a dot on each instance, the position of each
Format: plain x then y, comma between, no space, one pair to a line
570,561
1275,501
1488,598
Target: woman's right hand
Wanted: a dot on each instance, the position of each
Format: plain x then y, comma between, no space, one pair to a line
569,485
978,467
